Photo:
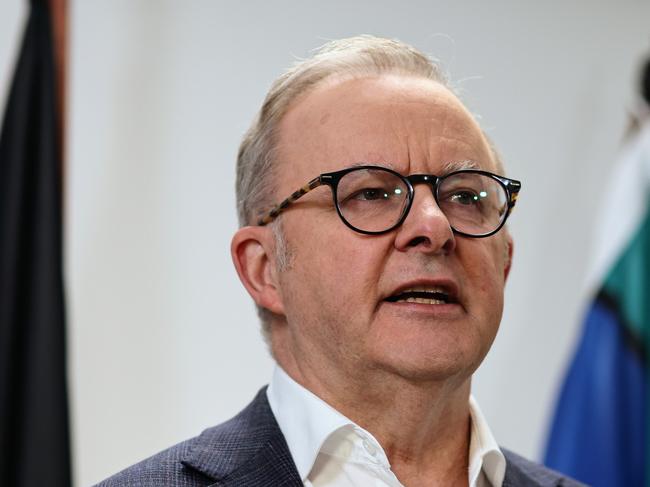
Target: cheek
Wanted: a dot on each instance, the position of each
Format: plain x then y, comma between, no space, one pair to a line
337,270
484,270
329,295
484,262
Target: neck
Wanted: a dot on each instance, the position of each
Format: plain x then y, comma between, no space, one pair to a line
423,425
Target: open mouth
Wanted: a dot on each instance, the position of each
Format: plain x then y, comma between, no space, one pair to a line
423,295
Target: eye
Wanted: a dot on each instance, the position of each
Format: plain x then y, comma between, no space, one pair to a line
370,194
366,188
466,197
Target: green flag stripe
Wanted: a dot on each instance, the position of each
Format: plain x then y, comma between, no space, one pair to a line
628,282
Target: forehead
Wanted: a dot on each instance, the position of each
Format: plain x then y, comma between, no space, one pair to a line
409,124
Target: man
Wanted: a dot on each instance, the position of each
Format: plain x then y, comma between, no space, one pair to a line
379,283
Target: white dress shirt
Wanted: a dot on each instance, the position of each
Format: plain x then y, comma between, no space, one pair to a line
331,450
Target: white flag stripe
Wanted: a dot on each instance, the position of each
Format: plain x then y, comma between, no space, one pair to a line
623,207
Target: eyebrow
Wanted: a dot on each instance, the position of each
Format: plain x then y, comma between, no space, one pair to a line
447,167
389,165
452,166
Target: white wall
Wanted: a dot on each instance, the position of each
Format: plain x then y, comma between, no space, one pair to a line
12,20
164,340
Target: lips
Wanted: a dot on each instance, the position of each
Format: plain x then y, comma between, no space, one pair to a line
432,293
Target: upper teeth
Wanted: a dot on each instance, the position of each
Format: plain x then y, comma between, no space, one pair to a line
424,289
423,300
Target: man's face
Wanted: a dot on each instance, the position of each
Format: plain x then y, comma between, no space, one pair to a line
334,292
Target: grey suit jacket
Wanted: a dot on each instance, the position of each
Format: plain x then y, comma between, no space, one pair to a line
250,451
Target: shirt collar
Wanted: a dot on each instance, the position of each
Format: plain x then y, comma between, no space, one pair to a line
307,422
484,452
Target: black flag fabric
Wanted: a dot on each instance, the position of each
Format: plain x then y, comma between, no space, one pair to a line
34,432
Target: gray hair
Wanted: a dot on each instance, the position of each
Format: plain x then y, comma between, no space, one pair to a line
355,57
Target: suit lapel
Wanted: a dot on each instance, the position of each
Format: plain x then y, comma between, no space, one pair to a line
522,473
515,477
249,450
273,465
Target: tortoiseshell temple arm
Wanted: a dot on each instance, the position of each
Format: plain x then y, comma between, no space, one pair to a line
513,188
275,212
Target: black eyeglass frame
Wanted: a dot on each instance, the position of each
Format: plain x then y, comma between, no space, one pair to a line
331,179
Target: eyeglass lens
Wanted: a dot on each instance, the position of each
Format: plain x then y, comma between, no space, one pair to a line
374,200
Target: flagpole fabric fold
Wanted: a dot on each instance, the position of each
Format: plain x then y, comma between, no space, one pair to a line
600,429
34,425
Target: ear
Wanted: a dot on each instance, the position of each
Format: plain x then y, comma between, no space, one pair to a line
508,256
252,250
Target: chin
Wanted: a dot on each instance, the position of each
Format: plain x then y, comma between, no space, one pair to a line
432,367
434,354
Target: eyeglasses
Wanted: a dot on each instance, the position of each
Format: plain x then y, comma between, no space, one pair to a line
373,200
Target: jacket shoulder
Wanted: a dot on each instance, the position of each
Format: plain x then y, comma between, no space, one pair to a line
521,472
163,468
251,440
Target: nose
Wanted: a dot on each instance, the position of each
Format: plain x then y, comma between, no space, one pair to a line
426,227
